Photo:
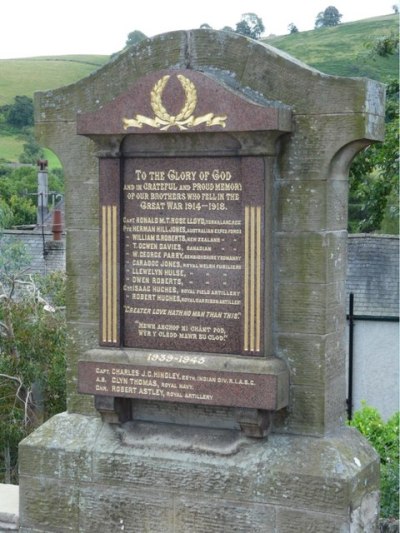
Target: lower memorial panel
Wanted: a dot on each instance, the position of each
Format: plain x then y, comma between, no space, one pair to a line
187,385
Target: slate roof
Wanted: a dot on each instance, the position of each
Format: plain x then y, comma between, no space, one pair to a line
373,274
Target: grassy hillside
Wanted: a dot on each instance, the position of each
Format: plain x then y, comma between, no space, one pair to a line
344,50
25,76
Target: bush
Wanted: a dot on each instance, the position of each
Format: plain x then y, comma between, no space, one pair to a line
18,194
384,437
32,352
20,113
32,151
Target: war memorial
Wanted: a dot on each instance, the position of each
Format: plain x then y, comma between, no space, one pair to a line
206,213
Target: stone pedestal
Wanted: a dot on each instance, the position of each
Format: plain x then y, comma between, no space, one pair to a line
79,474
175,439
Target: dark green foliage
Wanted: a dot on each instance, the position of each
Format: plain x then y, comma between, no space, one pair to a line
134,37
386,45
32,151
20,113
328,18
250,25
18,198
293,28
374,183
52,287
32,352
384,437
14,259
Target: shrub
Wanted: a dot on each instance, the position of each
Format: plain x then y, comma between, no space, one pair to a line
384,437
32,352
20,113
18,194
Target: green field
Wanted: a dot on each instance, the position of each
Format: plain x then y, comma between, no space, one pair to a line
343,50
25,76
10,147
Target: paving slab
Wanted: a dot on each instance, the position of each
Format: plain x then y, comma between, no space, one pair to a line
9,507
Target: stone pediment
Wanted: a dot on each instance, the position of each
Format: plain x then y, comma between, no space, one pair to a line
172,101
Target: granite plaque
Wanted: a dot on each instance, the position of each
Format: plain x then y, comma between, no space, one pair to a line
191,255
184,277
187,385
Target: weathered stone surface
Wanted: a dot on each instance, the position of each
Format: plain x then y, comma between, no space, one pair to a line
202,516
81,337
83,475
83,247
113,509
310,308
320,258
61,497
306,355
73,457
293,521
310,184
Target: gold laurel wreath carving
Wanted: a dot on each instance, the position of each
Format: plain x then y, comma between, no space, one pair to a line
191,98
188,107
184,119
155,99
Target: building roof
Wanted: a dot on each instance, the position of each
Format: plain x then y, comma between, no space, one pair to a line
373,274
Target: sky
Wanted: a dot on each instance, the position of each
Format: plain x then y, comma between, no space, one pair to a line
54,27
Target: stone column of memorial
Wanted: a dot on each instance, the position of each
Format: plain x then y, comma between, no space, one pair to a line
206,209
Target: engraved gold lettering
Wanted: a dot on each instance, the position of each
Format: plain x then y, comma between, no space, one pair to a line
191,253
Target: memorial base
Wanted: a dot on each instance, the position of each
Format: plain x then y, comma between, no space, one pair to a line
78,473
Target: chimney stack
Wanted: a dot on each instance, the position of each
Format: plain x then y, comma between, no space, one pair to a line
56,227
43,192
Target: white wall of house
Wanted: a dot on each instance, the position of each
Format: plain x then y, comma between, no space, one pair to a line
376,366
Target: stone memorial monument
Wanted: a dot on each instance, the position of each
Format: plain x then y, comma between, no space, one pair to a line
206,210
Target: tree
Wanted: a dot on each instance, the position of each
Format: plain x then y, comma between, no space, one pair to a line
205,26
18,198
328,18
395,8
250,25
293,28
32,151
374,183
32,351
20,113
134,37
